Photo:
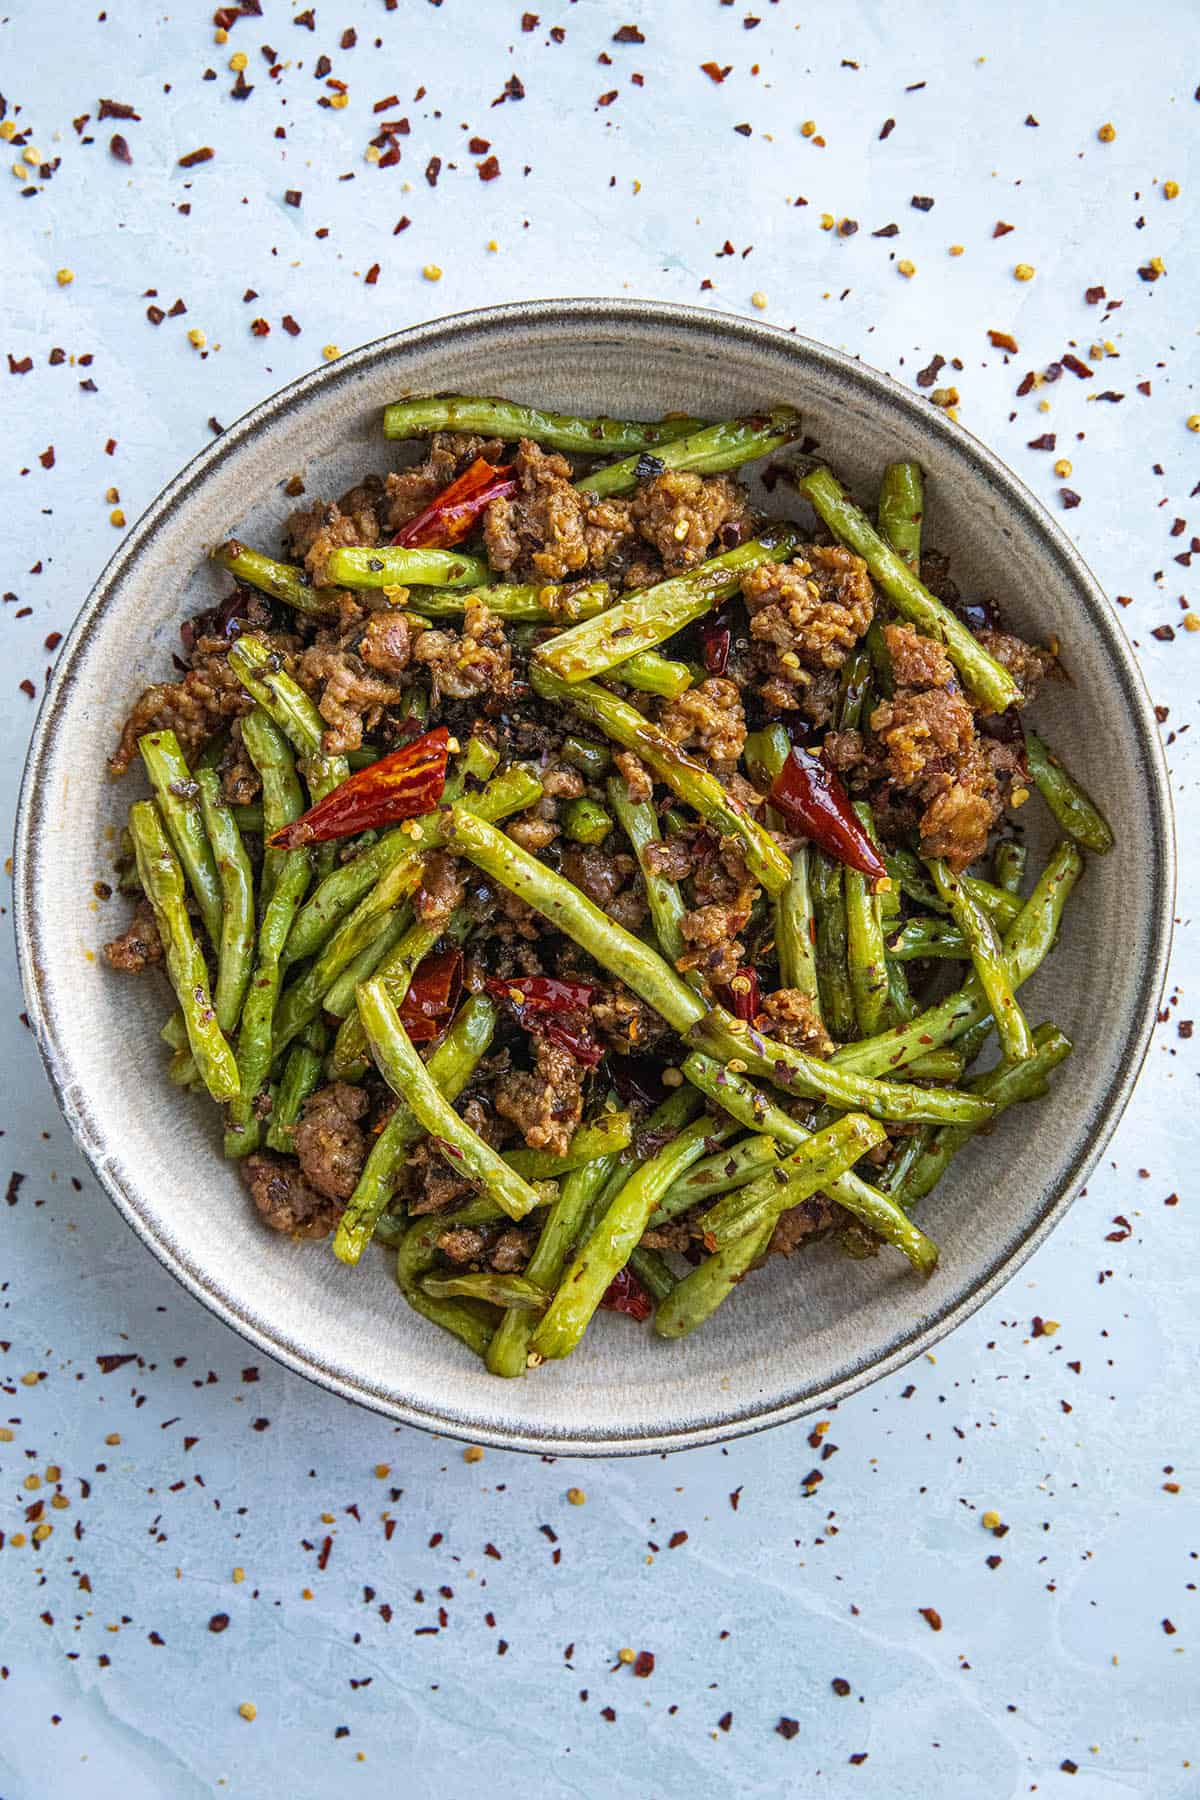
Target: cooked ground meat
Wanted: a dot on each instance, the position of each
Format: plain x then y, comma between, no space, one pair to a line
625,1022
349,698
547,1104
140,946
681,514
534,829
921,727
329,1141
550,530
791,1016
1026,663
844,750
802,1222
561,782
240,780
319,529
386,643
463,1244
956,822
812,610
725,891
611,879
195,708
408,492
512,1250
284,1199
917,661
673,858
463,664
707,718
639,784
441,889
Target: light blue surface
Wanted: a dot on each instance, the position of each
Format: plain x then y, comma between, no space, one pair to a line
1061,1653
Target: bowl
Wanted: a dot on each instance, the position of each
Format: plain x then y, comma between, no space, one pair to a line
803,1333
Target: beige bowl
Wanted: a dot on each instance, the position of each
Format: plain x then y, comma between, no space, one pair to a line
800,1334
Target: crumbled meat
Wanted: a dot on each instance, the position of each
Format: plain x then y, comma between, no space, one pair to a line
642,572
508,918
534,829
441,888
792,1018
409,491
140,946
329,1141
725,891
1026,663
440,1188
561,782
812,610
800,1223
386,643
844,750
673,858
462,1244
549,529
707,718
625,1022
674,1234
284,1199
922,726
349,698
680,514
468,663
195,708
511,1251
317,530
636,776
547,1104
240,780
956,823
609,878
917,661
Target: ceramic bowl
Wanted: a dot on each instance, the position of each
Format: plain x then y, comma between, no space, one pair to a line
802,1333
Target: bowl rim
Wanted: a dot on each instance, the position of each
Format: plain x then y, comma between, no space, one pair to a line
873,385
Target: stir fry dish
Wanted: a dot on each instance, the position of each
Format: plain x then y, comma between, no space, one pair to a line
584,884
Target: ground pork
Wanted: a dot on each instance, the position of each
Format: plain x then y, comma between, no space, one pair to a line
792,1017
349,697
386,642
917,661
534,829
547,1103
611,879
625,1022
206,699
241,782
957,821
680,514
724,891
462,1243
1026,663
468,663
549,529
511,1251
812,610
639,784
813,692
920,728
802,1222
441,889
708,718
140,946
561,782
408,492
329,1141
432,1185
316,531
284,1199
844,750
673,858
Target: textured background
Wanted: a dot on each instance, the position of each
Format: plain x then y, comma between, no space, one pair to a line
405,1615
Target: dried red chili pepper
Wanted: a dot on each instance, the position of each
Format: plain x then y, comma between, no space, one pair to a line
716,641
556,1008
432,995
811,798
625,1294
452,513
399,786
741,994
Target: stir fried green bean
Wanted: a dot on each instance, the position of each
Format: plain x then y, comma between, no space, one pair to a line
506,419
1074,809
179,804
235,946
709,451
282,581
813,1165
987,958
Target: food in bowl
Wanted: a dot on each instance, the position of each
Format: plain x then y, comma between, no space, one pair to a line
558,864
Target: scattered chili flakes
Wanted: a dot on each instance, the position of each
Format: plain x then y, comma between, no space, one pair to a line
886,130
47,457
840,1686
931,1616
922,202
292,196
929,374
488,169
1002,229
715,72
628,34
219,1622
289,325
676,1539
258,327
119,147
1003,340
787,1728
21,367
195,157
644,1663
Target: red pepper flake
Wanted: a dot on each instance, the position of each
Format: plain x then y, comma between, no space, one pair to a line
1077,366
625,1294
491,1550
402,224
887,231
1026,385
529,21
644,1663
1094,295
931,1616
399,786
1125,1230
47,457
326,1549
715,71
1047,441
119,147
456,509
293,196
479,146
840,1686
433,169
1003,340
922,202
307,19
929,374
788,1728
1069,498
488,169
218,1623
744,130
261,1425
176,311
676,1538
725,1721
195,157
116,109
289,325
886,130
858,1757
1001,229
514,89
1148,272
19,368
1164,633
607,99
322,68
372,275
628,34
260,328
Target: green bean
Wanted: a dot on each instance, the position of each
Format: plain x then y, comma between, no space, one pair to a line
650,673
527,603
235,946
866,956
639,821
334,898
592,760
348,1059
812,1078
182,1070
1008,865
752,1108
695,785
174,1032
257,667
585,821
813,1165
796,929
907,872
606,1135
162,883
391,565
699,1294
451,1065
708,451
1026,944
882,672
282,797
986,679
1071,805
414,1258
488,1285
888,893
901,510
928,940
507,419
987,959
653,1271
1004,1085
831,944
607,1249
905,1154
854,691
356,939
301,1076
338,998
407,1076
283,581
508,1352
179,804
249,817
946,1064
254,1054
649,616
718,1174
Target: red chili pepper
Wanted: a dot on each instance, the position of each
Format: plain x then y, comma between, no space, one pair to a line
399,786
741,994
556,1008
812,800
716,640
452,513
432,995
625,1294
